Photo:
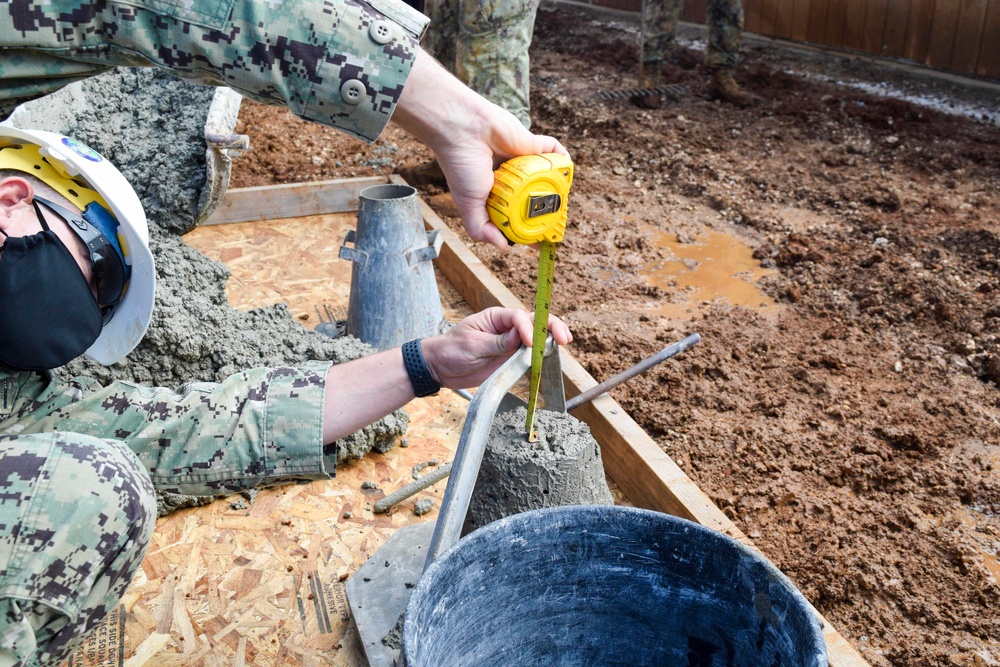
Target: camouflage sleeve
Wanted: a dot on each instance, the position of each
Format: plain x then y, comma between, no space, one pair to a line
261,426
338,62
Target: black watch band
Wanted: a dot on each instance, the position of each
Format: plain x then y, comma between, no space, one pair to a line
423,382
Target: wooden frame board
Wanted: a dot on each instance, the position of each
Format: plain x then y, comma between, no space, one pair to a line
918,30
818,13
695,11
969,32
875,18
784,18
751,15
768,11
942,38
897,23
836,21
854,25
800,20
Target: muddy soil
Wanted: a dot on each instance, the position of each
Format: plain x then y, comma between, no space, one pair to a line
847,416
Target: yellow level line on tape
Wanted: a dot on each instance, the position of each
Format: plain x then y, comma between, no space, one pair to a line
543,297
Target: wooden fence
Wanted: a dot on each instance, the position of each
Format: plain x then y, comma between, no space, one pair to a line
958,35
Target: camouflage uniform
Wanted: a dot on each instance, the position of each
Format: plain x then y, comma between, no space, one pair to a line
485,45
338,62
725,28
77,511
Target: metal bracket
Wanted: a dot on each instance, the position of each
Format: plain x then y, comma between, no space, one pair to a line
379,591
472,446
222,147
359,257
431,251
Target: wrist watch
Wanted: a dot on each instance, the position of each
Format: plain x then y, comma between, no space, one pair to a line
423,382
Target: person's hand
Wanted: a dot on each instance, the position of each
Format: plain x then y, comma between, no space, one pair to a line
369,387
475,347
470,137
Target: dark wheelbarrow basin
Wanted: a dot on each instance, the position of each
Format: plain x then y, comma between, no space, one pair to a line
606,585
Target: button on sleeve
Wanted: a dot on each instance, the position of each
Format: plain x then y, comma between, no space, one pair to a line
381,32
352,92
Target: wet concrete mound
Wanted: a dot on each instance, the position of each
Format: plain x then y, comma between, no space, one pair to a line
563,467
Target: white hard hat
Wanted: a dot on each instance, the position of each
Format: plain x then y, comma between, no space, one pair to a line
82,175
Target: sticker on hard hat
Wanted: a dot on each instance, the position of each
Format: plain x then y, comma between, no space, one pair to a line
82,149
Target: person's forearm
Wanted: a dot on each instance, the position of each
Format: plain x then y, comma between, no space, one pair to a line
437,108
362,391
366,389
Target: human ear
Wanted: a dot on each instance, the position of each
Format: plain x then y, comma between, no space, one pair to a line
13,191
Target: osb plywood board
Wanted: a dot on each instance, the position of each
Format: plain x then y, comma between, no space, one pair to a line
295,261
264,585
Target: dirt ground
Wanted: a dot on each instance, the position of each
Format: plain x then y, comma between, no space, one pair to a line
847,418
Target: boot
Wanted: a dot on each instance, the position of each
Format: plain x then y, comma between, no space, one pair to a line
650,77
725,88
650,73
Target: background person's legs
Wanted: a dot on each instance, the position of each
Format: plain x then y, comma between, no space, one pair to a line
442,33
76,516
657,38
492,52
486,46
725,29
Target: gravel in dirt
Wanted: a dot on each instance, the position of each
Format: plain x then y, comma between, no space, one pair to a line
847,416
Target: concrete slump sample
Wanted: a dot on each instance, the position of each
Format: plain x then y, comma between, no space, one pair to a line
151,126
563,467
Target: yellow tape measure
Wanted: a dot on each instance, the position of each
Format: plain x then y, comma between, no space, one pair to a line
528,203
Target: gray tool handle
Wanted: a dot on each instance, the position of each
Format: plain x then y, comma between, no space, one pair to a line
433,477
472,446
639,368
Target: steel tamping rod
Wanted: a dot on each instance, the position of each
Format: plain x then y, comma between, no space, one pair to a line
609,384
639,368
435,475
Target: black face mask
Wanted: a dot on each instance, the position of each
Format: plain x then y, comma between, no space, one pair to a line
48,315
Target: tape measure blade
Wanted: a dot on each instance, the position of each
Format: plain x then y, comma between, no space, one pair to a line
543,297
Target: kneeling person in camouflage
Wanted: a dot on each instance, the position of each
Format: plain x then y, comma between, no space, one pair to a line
79,461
